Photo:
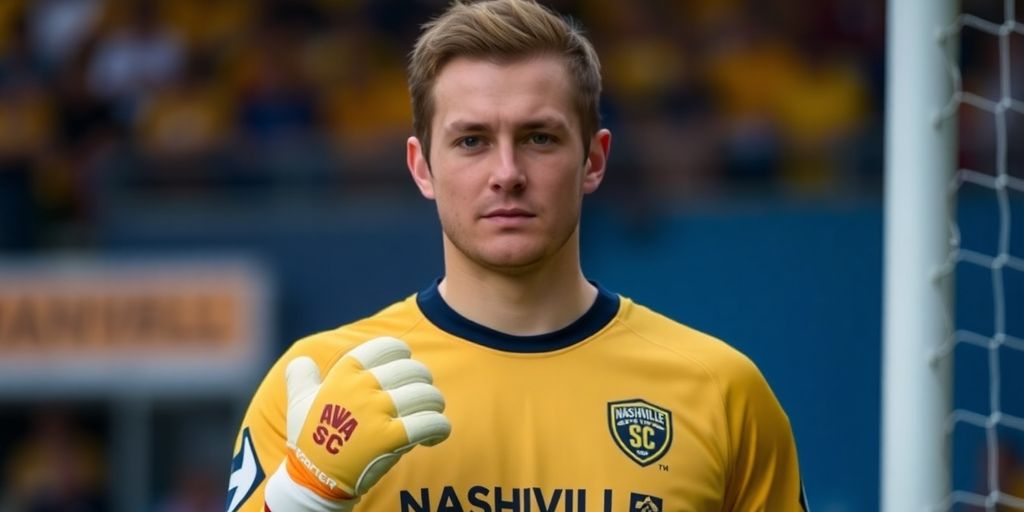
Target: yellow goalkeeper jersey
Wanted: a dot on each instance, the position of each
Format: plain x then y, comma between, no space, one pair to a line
624,410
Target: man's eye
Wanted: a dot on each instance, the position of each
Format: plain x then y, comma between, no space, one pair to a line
541,139
470,141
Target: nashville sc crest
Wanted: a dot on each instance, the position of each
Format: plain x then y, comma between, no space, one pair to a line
642,430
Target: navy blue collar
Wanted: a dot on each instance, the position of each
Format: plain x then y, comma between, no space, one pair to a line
605,307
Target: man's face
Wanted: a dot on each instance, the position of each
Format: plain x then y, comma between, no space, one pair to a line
507,168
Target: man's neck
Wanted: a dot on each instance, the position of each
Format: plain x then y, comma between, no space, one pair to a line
537,302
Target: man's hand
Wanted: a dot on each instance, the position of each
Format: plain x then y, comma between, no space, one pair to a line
345,432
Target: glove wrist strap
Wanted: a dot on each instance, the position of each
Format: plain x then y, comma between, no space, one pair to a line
282,494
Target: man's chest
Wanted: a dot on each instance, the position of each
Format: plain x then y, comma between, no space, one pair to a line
575,435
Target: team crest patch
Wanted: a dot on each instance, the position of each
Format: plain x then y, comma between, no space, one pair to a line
642,430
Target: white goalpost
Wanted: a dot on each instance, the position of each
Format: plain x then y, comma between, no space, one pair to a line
919,164
923,251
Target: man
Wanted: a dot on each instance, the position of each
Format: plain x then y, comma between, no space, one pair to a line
558,395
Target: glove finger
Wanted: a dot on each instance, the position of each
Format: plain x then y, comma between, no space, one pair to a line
416,397
302,377
375,470
400,373
427,428
379,351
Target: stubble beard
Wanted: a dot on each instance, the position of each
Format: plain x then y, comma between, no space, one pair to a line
511,261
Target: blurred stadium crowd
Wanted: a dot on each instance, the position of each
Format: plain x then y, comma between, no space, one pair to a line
166,99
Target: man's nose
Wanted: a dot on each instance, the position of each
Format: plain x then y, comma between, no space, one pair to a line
507,173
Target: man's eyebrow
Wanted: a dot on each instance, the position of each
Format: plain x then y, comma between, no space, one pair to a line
545,123
466,126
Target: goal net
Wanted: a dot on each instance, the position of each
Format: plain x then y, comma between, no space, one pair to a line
953,391
985,54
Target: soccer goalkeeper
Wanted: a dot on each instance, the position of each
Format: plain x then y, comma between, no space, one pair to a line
534,388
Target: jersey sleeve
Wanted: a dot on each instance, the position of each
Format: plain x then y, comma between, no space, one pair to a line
261,442
765,473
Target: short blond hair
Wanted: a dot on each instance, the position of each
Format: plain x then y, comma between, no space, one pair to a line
503,31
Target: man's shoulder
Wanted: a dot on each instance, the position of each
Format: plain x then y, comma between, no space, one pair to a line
395,320
677,339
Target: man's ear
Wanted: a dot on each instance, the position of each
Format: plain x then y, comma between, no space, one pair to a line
597,160
418,167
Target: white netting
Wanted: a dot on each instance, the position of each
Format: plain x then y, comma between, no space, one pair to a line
999,99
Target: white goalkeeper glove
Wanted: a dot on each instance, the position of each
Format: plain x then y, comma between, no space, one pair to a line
345,432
